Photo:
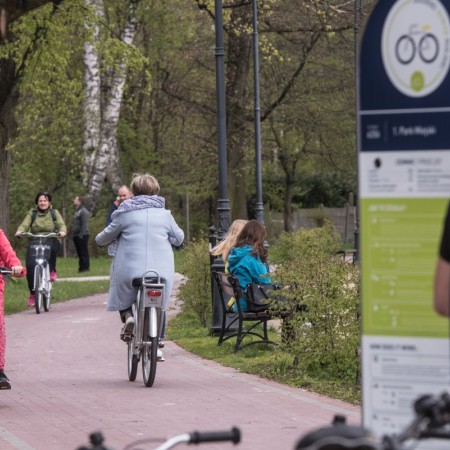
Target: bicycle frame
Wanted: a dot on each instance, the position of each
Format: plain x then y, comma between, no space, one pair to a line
147,313
151,296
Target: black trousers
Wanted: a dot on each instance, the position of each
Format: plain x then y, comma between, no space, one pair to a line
81,246
31,263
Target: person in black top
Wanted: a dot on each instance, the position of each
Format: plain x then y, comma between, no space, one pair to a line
442,275
80,234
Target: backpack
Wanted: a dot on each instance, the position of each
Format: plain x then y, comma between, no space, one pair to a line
52,213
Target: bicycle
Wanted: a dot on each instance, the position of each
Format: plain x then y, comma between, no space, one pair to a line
148,314
406,47
233,435
42,284
431,421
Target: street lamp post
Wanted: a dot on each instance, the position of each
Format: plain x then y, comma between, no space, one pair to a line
223,206
259,202
357,12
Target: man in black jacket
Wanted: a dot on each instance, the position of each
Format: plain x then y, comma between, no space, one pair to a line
80,233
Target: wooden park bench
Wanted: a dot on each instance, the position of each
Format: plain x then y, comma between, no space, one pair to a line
241,324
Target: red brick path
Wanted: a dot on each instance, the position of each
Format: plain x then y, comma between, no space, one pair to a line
69,375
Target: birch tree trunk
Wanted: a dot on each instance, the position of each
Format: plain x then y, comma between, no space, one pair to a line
92,106
102,154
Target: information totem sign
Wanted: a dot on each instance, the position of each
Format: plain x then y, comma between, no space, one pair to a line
404,191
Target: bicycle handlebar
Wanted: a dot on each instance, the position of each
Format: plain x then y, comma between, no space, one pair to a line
432,415
48,235
432,420
196,437
233,435
5,271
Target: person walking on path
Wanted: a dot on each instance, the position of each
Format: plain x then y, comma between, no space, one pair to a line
123,193
9,259
140,238
80,233
41,220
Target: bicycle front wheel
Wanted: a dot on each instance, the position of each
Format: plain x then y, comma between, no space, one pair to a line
38,290
149,354
47,296
133,361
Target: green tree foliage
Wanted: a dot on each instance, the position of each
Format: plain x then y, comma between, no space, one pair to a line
168,118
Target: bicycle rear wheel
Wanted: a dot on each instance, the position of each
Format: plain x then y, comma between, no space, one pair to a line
149,355
38,290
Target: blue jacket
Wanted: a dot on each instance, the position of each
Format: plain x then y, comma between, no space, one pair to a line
247,268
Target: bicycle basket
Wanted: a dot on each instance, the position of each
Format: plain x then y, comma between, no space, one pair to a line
41,250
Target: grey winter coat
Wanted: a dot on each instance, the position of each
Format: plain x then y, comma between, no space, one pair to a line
144,238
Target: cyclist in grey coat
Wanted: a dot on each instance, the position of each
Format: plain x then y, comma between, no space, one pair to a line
140,238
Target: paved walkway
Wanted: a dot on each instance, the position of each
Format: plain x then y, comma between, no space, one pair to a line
69,375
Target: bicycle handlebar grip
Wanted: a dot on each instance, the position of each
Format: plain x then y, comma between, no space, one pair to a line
234,435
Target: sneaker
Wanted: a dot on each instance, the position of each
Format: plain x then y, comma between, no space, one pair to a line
4,382
127,330
53,276
31,300
160,356
161,343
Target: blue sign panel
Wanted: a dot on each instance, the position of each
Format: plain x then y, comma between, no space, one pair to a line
405,131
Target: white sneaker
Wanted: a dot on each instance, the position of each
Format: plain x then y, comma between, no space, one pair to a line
127,330
160,356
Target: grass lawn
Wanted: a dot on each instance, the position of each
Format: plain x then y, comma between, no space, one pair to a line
17,289
267,361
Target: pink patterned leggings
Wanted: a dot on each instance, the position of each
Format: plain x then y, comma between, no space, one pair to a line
2,329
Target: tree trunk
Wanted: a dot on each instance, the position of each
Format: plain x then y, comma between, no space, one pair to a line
287,209
104,160
92,105
238,98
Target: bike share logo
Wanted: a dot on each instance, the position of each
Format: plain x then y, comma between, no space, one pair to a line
415,46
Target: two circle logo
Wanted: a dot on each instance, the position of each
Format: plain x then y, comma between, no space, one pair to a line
415,46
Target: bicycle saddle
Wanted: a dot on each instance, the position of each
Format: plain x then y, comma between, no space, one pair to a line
137,282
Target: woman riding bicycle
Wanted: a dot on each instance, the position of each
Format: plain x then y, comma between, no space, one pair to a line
42,220
141,236
9,259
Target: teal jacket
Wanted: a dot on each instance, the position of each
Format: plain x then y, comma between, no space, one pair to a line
247,268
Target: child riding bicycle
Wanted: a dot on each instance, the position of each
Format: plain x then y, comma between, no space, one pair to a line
8,258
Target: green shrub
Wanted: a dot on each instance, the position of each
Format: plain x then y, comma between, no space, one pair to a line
196,293
325,338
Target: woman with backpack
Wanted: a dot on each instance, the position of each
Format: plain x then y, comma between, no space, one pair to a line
42,220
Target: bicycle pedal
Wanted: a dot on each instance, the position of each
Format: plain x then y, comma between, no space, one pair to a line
126,337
